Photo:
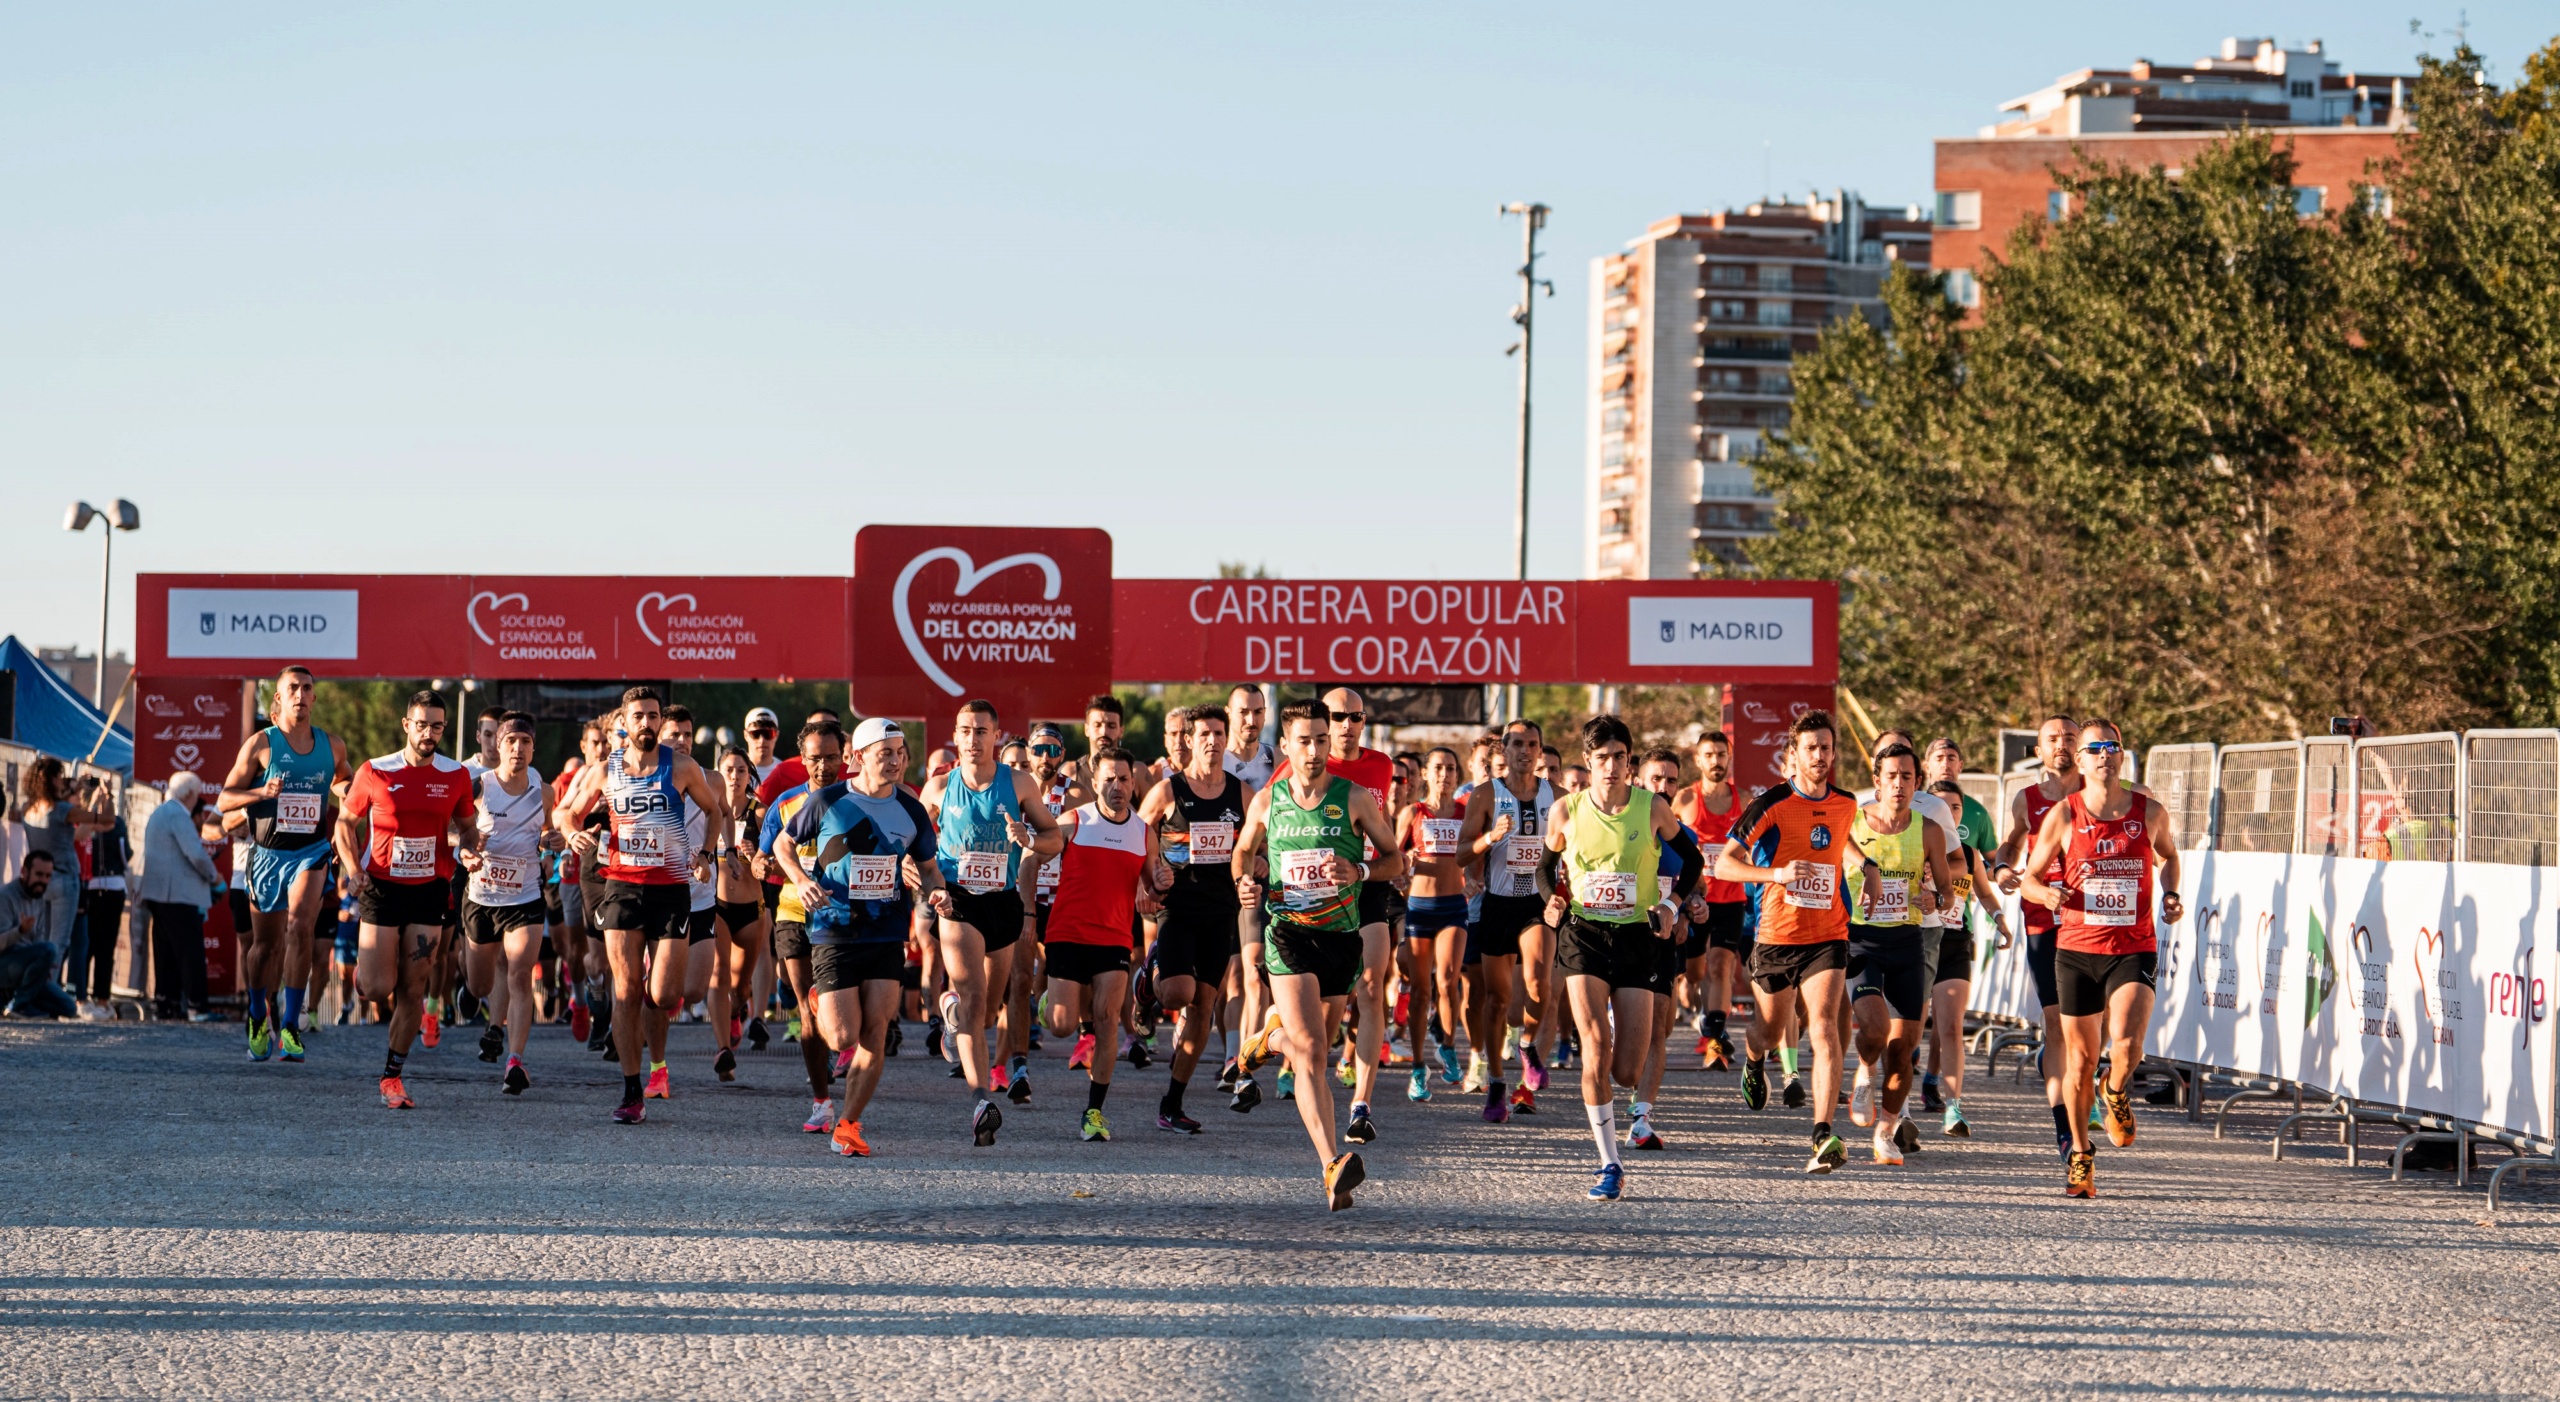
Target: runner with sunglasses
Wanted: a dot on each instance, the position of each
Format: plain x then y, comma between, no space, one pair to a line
2111,842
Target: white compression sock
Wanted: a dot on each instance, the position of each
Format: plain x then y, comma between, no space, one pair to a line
1604,1128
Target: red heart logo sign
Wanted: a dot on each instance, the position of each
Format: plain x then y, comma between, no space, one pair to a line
971,576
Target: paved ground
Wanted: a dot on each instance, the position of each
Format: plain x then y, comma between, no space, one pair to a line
180,1223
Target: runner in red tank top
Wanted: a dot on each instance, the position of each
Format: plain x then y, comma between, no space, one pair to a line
2108,838
2027,811
1719,939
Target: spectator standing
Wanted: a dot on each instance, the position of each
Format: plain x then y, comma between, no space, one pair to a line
54,825
31,935
177,885
102,899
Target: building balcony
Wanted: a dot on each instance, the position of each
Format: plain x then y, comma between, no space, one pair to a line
1742,348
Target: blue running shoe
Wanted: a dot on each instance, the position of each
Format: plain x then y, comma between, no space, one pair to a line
1451,1073
1420,1090
1607,1183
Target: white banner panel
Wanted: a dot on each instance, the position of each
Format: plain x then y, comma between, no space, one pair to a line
270,624
1719,631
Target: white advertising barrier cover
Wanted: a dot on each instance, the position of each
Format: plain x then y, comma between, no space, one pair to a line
2422,985
2002,987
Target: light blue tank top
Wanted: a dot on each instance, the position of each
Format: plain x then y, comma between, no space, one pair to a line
293,819
973,824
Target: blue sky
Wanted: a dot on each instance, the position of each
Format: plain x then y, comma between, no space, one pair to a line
657,288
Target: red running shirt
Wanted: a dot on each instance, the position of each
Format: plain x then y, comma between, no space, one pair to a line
1098,872
2038,919
1713,830
2106,871
411,807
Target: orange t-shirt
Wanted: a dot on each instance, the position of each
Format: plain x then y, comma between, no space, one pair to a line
1783,825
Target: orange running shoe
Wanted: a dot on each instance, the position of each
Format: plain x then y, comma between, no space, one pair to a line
1523,1102
395,1096
428,1030
2118,1106
2080,1178
657,1089
849,1141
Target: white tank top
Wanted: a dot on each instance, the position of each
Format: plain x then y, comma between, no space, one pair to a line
510,842
697,827
1511,868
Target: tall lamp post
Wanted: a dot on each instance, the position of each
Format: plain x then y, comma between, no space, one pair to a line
1533,217
125,516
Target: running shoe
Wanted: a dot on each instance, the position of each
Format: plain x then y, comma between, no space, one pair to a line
1479,1073
580,1022
1176,1121
658,1088
395,1096
1641,1135
998,1078
1347,1073
430,1031
289,1048
493,1042
1862,1101
889,1044
1097,1130
1886,1150
346,1015
2080,1176
758,1036
1717,1054
791,1029
725,1065
1227,1078
933,1035
950,1019
1257,1048
1082,1056
259,1047
2062,1133
1930,1100
959,1072
822,1117
1497,1103
1340,1177
600,1032
1248,1094
1510,1043
1017,1086
1138,1054
2098,1107
1755,1085
1533,1072
630,1112
516,1080
1420,1089
842,1063
1362,1129
1704,1042
1450,1071
1828,1153
848,1141
1794,1095
2118,1106
1523,1101
984,1122
1906,1136
1288,1082
1607,1183
1957,1127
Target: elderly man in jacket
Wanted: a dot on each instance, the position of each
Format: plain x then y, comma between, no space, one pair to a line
178,877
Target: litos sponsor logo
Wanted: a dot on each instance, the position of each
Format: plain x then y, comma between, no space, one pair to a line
1001,634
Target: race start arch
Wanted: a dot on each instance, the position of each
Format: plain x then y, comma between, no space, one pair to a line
1031,618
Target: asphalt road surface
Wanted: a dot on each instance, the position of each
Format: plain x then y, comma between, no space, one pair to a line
180,1223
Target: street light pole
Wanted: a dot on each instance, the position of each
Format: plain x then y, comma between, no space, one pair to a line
124,517
1533,217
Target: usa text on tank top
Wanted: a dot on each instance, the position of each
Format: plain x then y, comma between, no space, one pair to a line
644,842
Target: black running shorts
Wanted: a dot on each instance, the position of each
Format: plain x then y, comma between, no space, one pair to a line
1619,953
1725,929
1885,961
1333,956
700,925
1379,903
995,915
2040,946
1196,936
488,924
1955,958
834,968
1499,922
2088,982
790,940
387,902
1775,968
738,915
659,910
1083,963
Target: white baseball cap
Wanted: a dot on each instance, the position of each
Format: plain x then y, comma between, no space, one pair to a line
871,732
765,714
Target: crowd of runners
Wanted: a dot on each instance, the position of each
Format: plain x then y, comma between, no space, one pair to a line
1513,913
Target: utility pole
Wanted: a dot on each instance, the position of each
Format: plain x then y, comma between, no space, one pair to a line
1533,217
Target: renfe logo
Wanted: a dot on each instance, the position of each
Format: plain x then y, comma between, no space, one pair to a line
272,624
1719,631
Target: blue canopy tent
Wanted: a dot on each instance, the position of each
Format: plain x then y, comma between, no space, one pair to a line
52,717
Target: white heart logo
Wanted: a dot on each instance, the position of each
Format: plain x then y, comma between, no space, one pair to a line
185,755
495,601
662,603
970,578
